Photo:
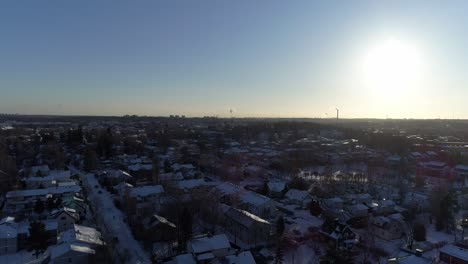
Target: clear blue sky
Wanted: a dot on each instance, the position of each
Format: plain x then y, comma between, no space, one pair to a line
260,58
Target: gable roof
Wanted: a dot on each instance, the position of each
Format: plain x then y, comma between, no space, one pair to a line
146,190
206,244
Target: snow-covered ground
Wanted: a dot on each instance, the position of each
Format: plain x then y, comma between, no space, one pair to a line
111,221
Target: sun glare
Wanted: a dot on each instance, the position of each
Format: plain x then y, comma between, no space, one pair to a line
392,66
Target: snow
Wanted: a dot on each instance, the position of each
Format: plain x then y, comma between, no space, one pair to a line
455,251
190,184
297,195
83,234
146,190
241,258
205,244
43,192
184,259
111,221
62,249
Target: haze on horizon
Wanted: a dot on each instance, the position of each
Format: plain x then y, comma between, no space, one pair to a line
378,59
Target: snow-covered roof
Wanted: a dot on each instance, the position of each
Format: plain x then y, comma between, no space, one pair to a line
41,192
70,211
8,227
241,258
64,248
455,251
299,195
82,234
53,175
461,167
184,259
228,188
276,186
206,244
254,198
138,167
170,176
244,218
35,169
178,166
190,184
156,219
358,207
146,190
205,256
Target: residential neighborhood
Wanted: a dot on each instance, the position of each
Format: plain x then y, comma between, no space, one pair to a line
181,190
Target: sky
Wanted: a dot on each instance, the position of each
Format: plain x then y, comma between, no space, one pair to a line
259,58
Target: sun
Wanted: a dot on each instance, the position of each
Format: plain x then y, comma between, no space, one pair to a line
392,66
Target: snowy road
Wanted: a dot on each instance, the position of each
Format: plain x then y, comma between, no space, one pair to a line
126,249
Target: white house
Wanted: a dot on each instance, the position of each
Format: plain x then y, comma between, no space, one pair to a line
8,236
66,218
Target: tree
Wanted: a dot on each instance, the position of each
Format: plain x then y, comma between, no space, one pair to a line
298,183
37,237
39,206
167,166
50,204
185,227
419,232
315,208
280,226
264,190
338,256
155,169
90,160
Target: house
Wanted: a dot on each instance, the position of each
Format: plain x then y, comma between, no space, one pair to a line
42,170
157,228
184,259
339,234
66,253
251,201
298,197
363,198
147,193
276,188
358,210
8,236
145,200
77,204
452,254
385,227
238,258
23,200
205,247
66,218
82,235
416,201
114,177
247,229
437,169
52,179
